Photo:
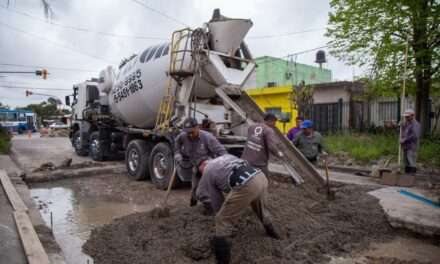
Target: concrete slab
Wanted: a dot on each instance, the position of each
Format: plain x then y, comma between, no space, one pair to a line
406,212
30,153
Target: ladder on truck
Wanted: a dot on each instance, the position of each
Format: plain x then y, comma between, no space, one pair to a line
176,73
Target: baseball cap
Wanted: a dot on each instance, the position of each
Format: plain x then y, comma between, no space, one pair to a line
189,123
408,112
270,117
307,124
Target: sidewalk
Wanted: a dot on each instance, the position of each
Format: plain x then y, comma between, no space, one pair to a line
11,249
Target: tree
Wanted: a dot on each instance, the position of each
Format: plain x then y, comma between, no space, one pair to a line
43,110
2,106
374,33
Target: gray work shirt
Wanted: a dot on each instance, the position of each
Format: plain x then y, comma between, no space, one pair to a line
310,146
260,141
198,149
215,180
410,135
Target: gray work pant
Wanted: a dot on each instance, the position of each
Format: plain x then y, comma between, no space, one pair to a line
253,193
410,158
196,176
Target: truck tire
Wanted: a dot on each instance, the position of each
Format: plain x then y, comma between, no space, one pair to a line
136,159
95,150
161,165
80,150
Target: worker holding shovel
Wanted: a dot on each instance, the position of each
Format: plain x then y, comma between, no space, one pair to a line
245,186
195,145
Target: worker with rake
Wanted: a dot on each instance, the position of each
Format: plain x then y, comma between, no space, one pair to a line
245,186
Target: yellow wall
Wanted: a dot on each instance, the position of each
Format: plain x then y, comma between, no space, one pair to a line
276,97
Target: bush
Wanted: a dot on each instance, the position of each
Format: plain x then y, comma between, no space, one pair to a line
5,141
429,152
367,147
362,147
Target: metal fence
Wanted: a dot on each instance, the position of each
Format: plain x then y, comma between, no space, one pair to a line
358,115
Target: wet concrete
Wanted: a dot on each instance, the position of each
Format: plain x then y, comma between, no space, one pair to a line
402,249
79,205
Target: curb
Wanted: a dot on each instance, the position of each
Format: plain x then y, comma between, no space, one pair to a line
72,173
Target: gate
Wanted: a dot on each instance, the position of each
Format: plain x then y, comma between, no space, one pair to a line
327,117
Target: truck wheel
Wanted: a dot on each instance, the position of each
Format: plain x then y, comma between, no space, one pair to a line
76,142
136,159
161,165
95,150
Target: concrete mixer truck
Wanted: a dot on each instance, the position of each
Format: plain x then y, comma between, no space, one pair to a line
139,108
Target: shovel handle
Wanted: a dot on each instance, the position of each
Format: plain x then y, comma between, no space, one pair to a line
170,184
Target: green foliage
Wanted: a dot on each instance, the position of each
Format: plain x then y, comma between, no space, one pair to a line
5,141
44,109
364,148
375,33
429,152
2,106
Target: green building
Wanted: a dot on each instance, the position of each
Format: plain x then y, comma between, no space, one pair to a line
273,71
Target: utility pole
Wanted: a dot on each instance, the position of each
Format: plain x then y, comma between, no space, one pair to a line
402,104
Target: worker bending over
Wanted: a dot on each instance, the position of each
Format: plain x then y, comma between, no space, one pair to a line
196,145
261,141
245,186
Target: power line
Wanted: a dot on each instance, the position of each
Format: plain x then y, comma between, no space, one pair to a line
285,34
82,29
160,13
33,88
47,67
271,60
53,42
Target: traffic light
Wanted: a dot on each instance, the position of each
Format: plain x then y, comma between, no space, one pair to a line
43,73
28,93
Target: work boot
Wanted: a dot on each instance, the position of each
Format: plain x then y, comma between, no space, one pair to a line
207,210
270,231
193,201
407,169
222,250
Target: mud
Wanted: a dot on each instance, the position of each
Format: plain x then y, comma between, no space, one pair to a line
312,229
67,165
73,207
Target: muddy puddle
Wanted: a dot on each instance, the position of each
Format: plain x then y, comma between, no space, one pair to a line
73,208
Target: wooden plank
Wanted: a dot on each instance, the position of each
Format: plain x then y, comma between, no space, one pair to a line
15,199
33,248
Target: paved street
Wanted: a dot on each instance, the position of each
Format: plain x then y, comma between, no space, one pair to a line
34,151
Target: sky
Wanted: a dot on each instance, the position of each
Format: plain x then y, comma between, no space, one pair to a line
84,36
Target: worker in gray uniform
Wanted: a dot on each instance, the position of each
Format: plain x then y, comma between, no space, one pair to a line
244,185
261,141
196,145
